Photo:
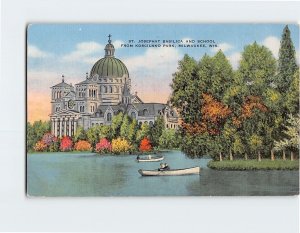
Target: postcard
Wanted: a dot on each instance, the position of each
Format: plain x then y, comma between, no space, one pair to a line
162,110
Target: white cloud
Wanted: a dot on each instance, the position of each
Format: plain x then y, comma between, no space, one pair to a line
272,43
152,71
235,59
154,58
35,52
84,52
117,44
223,46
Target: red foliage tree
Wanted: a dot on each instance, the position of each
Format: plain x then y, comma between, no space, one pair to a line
66,144
145,145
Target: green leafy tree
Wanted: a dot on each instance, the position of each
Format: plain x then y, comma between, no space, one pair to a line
292,138
256,143
169,139
156,131
35,132
287,64
292,95
79,134
184,89
116,124
132,131
143,132
221,76
105,132
124,129
92,135
257,69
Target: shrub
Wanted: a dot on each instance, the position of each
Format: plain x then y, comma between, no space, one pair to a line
40,146
66,144
145,145
103,146
120,145
54,147
82,145
49,138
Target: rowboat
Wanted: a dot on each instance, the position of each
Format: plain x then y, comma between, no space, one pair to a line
150,158
171,172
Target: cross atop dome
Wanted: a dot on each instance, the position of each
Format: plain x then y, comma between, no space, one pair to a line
109,48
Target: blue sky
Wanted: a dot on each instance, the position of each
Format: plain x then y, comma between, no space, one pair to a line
72,49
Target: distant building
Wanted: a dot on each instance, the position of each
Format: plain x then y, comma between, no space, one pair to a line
105,92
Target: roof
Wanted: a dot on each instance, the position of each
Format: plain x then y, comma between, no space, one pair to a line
62,84
109,66
152,108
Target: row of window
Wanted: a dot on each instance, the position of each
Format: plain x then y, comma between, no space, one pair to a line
108,80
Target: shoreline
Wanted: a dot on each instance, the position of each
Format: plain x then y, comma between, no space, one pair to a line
252,165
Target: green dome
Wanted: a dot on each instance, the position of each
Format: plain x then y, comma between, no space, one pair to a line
109,66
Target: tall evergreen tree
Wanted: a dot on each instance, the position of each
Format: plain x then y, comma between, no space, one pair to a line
287,64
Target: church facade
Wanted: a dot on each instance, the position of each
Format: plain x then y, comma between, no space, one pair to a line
105,92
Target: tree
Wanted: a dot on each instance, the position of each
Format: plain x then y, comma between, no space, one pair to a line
132,131
124,129
256,143
257,69
145,145
80,134
221,76
292,138
169,139
116,124
184,89
157,130
292,95
105,132
35,132
92,135
143,132
287,64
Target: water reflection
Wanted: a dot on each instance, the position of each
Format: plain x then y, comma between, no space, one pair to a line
86,174
258,183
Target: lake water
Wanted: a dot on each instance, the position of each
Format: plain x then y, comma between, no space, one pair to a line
88,174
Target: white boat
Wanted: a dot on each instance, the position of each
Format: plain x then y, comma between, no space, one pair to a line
171,172
150,158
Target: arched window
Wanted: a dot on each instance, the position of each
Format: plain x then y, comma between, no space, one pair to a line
108,117
110,89
105,89
151,124
133,115
146,122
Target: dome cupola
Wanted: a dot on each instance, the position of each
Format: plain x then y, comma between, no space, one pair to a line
109,66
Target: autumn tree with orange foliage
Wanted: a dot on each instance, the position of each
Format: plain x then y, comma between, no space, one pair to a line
145,145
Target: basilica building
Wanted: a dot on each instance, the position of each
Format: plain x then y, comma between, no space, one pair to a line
105,92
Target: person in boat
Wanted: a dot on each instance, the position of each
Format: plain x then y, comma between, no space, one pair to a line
164,167
138,157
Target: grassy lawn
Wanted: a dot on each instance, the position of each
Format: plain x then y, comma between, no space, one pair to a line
265,164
